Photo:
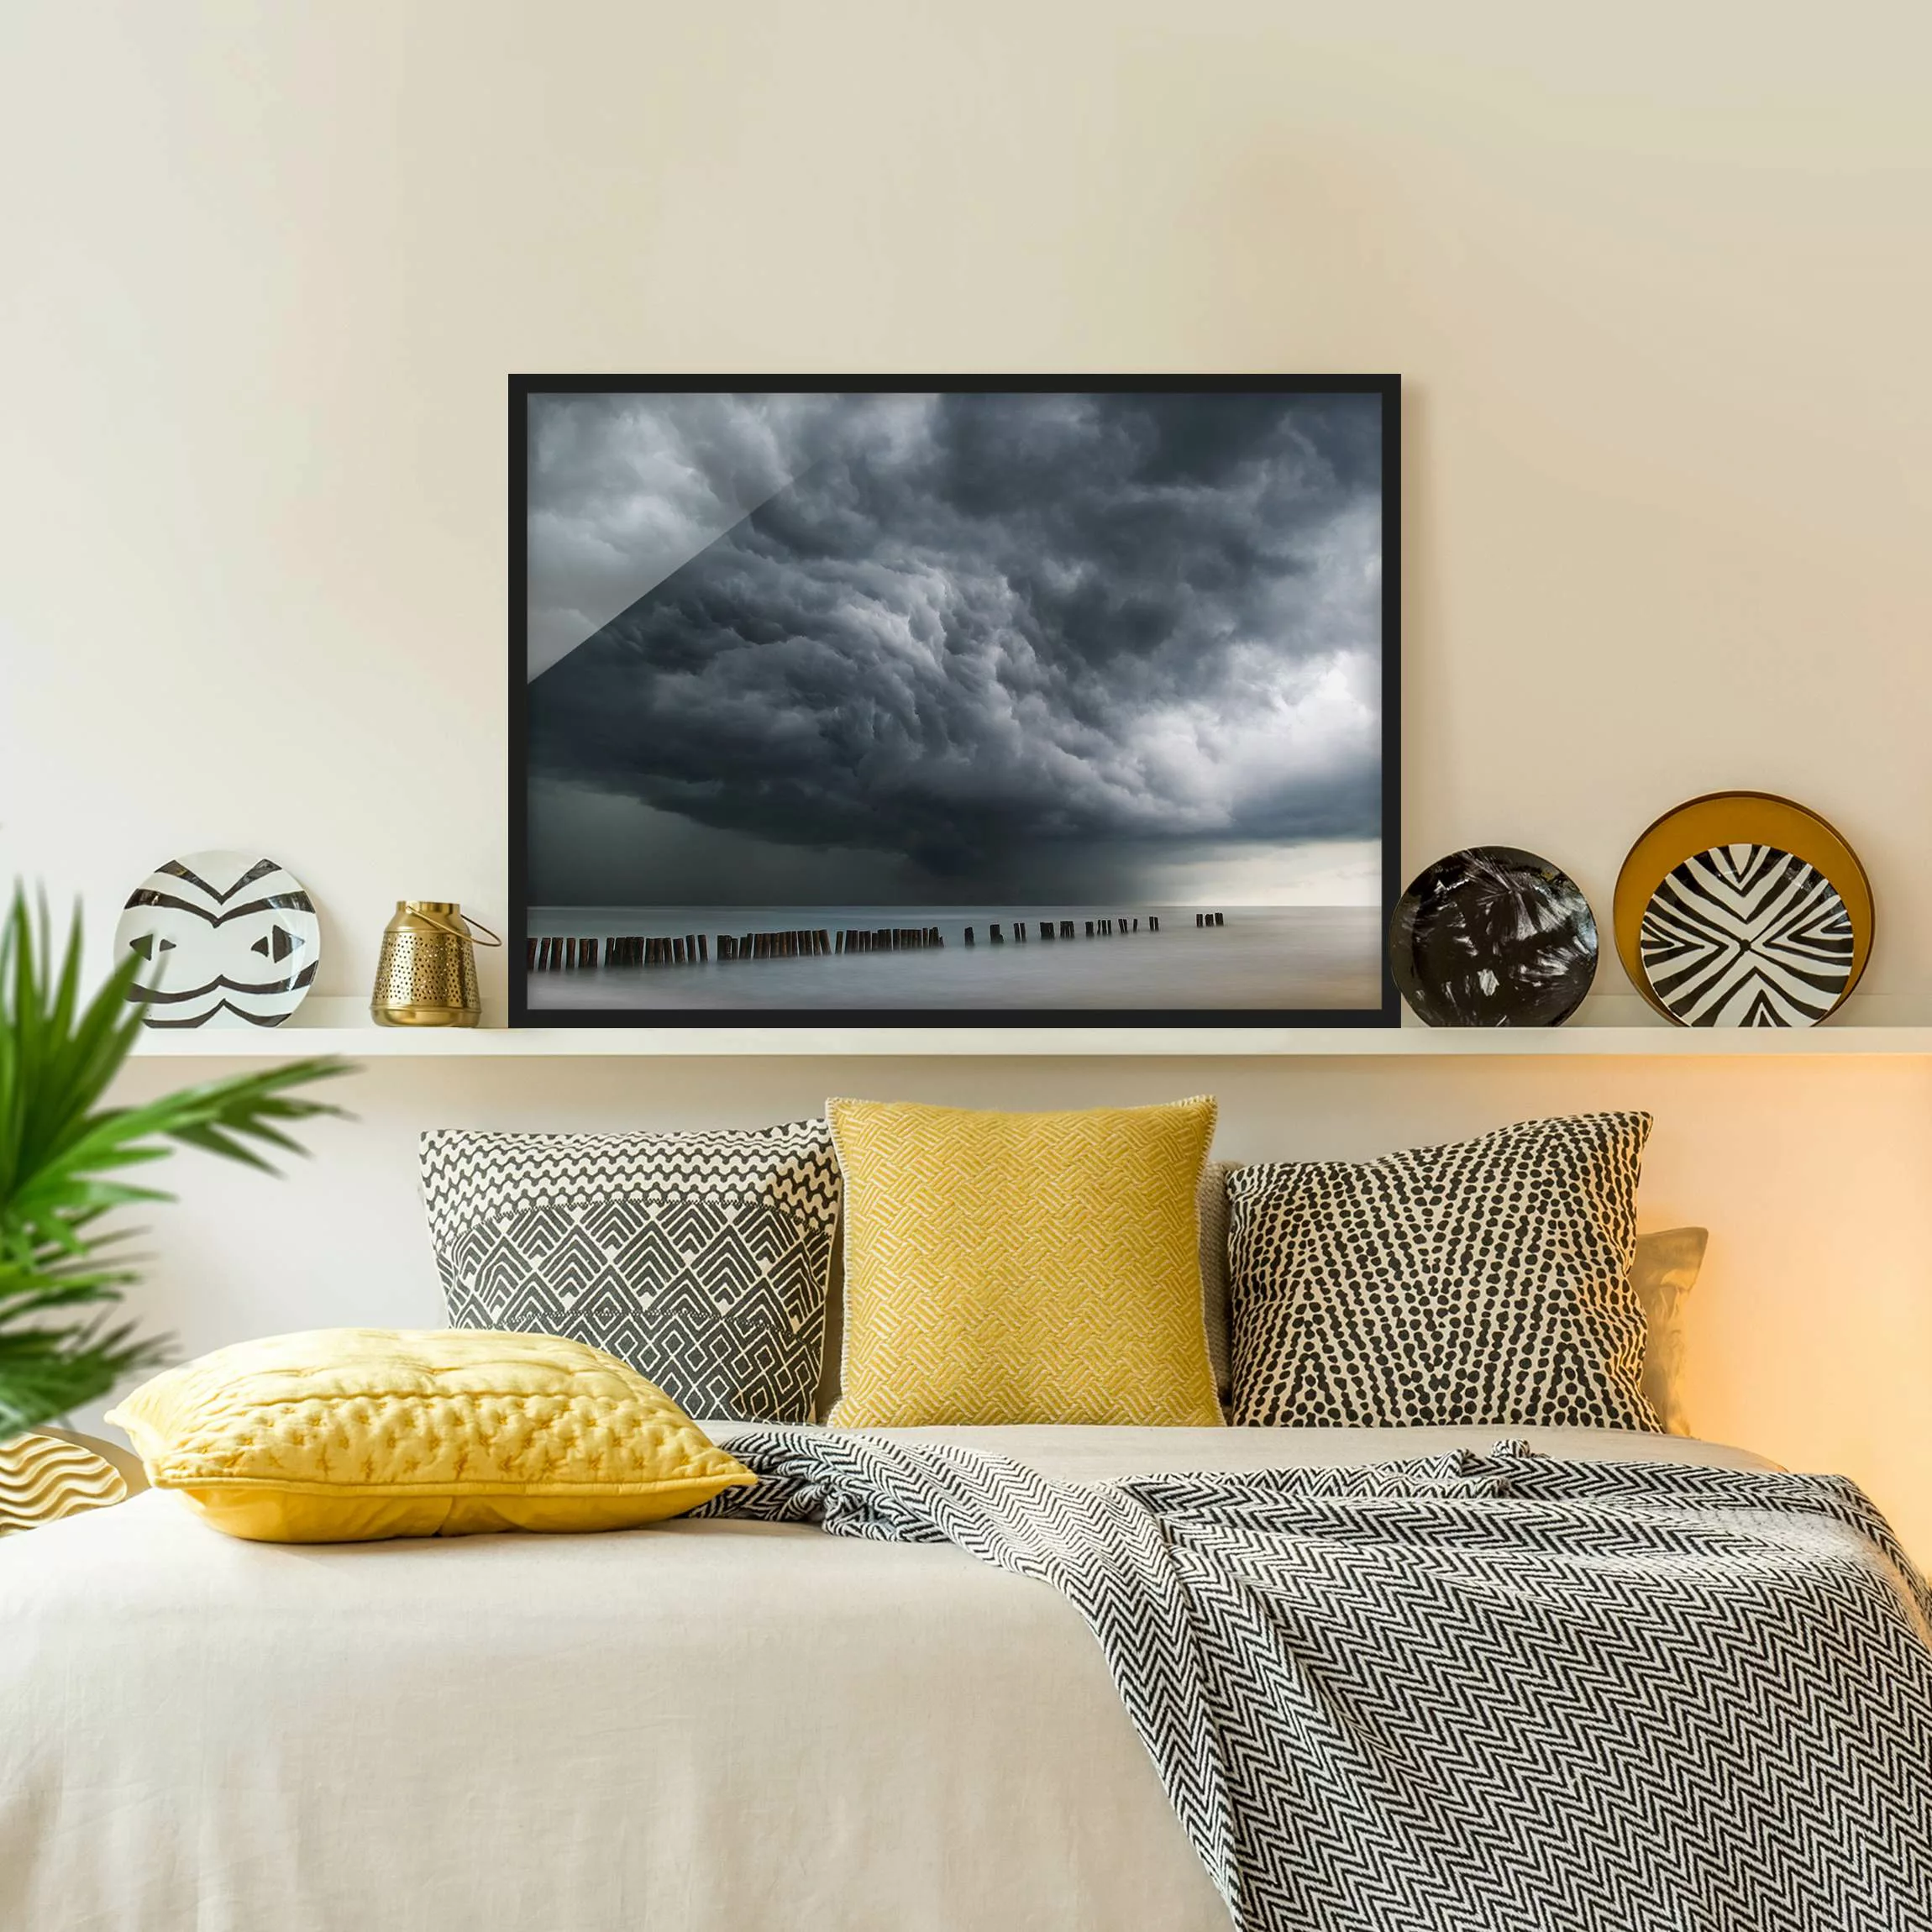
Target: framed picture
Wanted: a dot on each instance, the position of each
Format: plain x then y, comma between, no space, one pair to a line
921,700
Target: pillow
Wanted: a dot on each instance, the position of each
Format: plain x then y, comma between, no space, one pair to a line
1210,1213
701,1259
1483,1283
1665,1271
1023,1268
831,1381
350,1434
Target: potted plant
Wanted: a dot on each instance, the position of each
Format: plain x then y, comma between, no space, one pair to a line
66,1160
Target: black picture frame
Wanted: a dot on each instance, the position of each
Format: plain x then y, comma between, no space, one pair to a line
1387,388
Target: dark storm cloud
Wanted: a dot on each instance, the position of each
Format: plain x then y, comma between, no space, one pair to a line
957,626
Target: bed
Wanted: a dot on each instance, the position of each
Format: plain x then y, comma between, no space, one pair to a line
716,1726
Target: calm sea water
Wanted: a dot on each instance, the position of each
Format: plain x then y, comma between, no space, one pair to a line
1264,957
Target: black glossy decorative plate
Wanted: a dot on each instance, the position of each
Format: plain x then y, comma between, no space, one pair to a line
1493,937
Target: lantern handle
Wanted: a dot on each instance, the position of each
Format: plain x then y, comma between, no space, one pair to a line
471,927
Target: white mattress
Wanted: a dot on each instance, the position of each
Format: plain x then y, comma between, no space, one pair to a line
704,1727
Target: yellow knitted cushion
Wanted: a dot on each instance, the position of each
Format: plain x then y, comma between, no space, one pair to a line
1023,1268
347,1435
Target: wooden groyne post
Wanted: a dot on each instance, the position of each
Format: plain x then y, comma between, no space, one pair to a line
568,953
893,939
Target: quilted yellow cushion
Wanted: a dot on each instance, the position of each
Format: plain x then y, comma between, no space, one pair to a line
347,1435
1023,1268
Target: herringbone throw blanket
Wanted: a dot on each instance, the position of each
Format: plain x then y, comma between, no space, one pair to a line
1474,1693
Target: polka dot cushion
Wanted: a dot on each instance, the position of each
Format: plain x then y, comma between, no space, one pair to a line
1486,1282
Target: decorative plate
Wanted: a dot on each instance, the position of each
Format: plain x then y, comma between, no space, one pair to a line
225,940
1745,936
1743,909
1493,937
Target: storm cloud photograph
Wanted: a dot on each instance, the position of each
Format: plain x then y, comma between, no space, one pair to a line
1024,701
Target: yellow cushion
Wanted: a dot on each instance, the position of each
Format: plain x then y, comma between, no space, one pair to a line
1023,1268
347,1435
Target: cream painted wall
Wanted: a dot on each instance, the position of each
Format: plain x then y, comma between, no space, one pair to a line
1659,281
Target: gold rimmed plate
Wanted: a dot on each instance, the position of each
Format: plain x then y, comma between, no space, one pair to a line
1743,909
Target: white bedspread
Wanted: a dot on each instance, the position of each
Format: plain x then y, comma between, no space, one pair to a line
709,1727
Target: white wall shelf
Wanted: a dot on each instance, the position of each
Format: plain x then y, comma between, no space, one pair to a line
343,1026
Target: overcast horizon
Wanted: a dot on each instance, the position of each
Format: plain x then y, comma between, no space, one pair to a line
955,649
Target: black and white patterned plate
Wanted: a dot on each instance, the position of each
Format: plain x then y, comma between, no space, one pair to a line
1493,937
225,939
1746,936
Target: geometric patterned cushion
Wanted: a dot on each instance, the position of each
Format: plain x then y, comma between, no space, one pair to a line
1210,1209
1485,1283
700,1258
1003,1267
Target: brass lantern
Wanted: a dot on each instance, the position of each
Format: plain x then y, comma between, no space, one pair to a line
426,973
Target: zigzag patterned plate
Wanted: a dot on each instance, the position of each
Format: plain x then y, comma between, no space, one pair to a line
1746,936
1742,908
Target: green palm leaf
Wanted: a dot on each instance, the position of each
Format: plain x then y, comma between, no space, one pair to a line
66,1157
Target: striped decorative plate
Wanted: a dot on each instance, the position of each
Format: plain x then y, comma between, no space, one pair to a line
1743,910
225,939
